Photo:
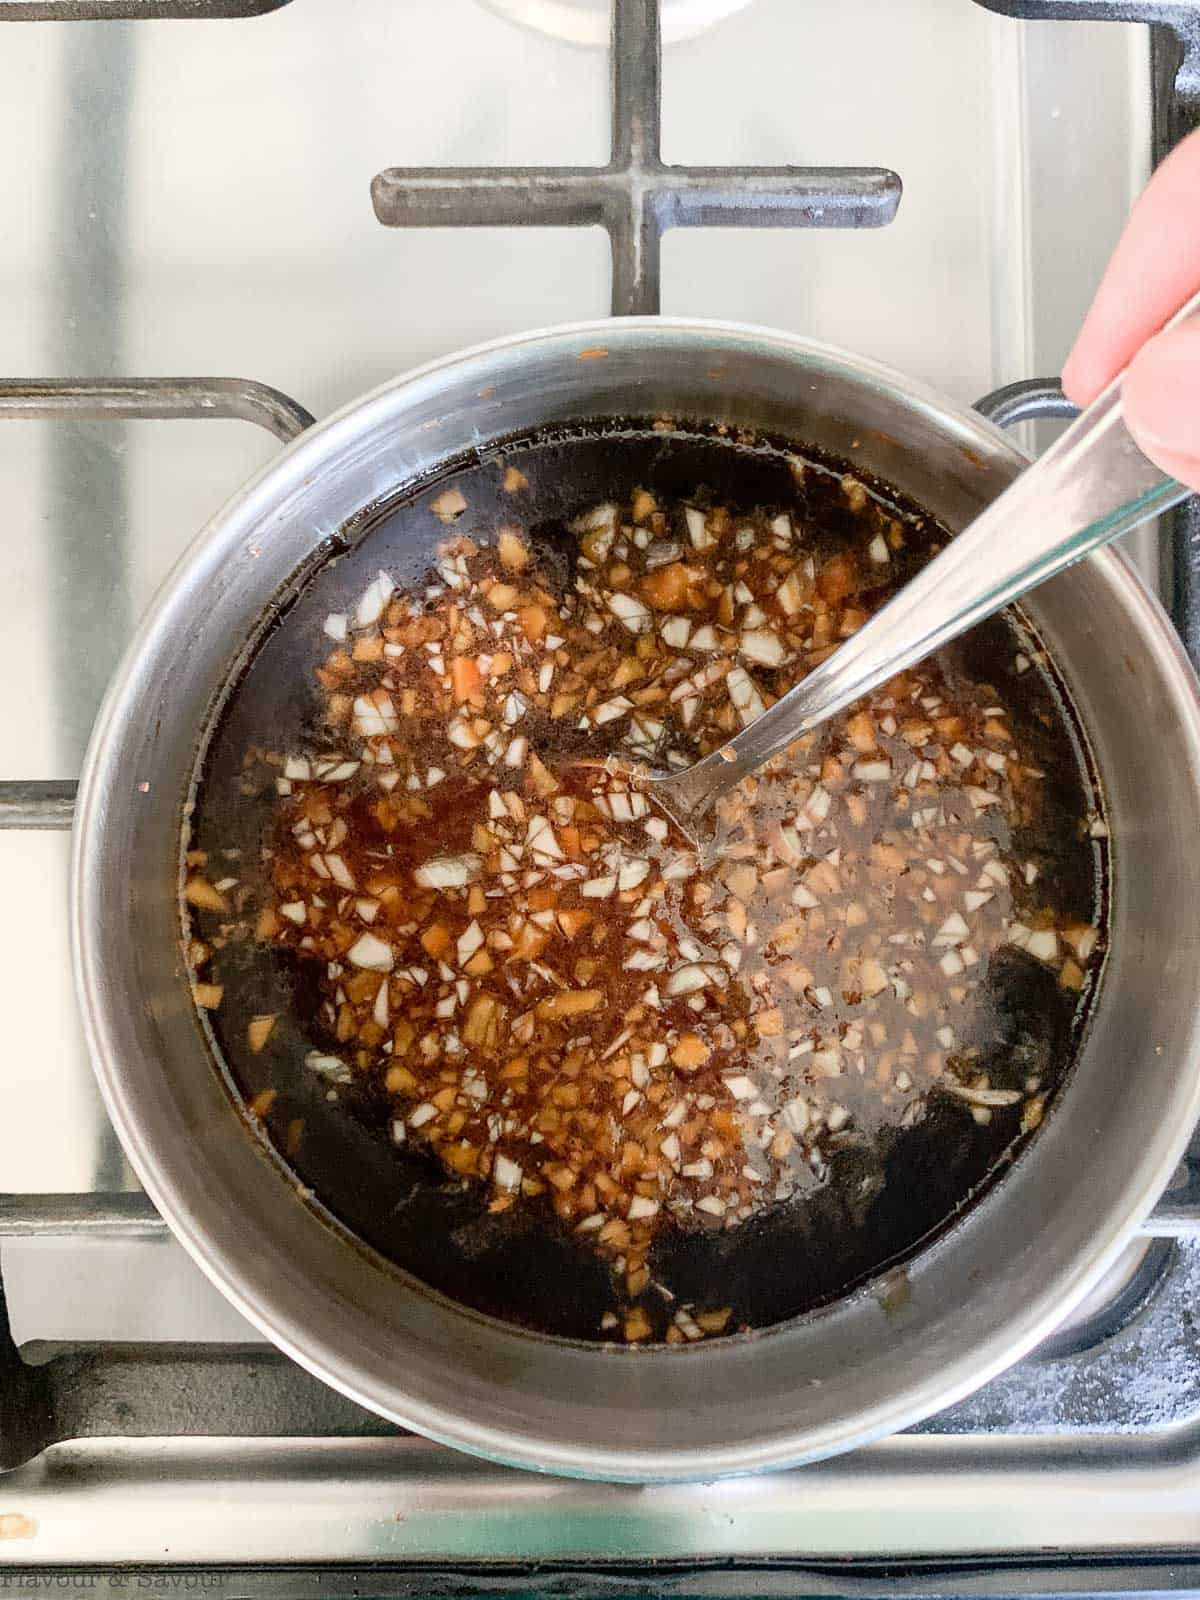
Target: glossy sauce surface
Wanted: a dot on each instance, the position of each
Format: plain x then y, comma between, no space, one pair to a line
830,1035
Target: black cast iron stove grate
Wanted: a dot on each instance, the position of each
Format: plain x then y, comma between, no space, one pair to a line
636,197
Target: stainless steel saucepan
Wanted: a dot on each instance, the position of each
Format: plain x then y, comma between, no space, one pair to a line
982,1294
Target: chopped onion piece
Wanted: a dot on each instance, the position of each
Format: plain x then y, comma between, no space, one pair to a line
980,798
1043,943
448,872
611,710
645,961
746,699
506,1172
952,932
982,1097
632,873
630,611
790,594
760,644
375,715
331,1067
601,518
698,530
373,600
819,804
470,940
687,979
371,953
872,771
515,707
449,505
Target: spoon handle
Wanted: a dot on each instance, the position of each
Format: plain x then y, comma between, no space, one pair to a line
1092,485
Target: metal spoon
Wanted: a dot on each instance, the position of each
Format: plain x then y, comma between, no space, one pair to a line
1092,485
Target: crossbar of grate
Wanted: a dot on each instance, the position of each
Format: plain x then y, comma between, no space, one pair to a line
636,197
134,10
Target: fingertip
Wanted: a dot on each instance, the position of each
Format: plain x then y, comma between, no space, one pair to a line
1153,270
1082,377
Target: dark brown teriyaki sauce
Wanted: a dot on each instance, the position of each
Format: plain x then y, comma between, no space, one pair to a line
881,1200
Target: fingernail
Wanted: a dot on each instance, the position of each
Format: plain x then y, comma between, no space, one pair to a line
1161,392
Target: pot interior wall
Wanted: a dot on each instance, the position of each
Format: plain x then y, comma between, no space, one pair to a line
975,1300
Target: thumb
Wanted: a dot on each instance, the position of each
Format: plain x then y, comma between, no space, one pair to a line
1160,396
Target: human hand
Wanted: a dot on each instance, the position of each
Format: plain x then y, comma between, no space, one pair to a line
1153,270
